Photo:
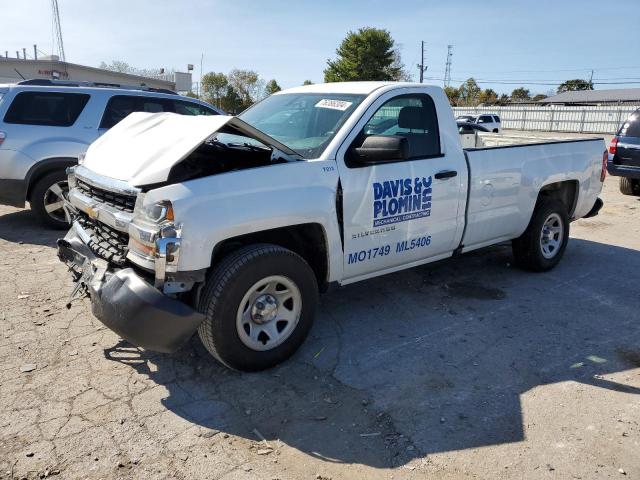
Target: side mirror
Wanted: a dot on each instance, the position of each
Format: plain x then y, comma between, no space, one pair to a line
382,148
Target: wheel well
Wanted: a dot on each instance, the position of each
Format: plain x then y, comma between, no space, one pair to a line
40,169
307,240
566,192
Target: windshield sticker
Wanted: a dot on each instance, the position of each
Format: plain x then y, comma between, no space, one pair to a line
401,200
333,104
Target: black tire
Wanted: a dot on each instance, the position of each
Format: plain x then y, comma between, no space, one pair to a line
528,248
224,291
629,187
495,130
37,200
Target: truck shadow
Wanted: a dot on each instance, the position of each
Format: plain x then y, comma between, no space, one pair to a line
20,226
433,359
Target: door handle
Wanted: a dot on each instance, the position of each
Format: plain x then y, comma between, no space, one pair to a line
445,174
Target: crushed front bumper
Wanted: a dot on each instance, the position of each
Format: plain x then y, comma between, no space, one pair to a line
125,302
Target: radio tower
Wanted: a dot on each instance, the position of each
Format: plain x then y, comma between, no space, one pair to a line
447,70
57,30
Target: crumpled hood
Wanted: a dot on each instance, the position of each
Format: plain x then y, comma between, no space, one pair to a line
142,148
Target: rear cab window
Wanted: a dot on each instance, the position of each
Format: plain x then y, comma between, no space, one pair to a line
485,119
496,119
55,109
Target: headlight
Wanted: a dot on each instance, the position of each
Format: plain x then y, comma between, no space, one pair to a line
150,234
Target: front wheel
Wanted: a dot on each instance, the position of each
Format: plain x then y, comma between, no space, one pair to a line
543,243
259,305
47,200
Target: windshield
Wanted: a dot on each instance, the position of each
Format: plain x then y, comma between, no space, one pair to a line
304,122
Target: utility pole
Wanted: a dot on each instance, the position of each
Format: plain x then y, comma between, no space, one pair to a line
447,70
421,66
591,79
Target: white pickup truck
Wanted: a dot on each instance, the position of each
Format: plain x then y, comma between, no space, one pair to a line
233,225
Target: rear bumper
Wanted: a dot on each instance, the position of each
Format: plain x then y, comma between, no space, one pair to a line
623,171
13,192
126,303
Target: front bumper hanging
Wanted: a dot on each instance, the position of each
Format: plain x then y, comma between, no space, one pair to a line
126,303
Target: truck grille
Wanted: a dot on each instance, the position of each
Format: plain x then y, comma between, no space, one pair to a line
106,242
116,200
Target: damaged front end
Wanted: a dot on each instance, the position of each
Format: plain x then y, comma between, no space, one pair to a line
137,303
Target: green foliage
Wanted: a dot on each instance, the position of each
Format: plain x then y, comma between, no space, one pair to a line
520,94
574,85
272,87
307,82
488,97
247,85
191,94
368,54
468,92
452,94
539,97
214,86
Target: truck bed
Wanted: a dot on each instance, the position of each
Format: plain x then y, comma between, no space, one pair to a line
504,181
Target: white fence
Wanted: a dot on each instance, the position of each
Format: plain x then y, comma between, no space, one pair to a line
606,119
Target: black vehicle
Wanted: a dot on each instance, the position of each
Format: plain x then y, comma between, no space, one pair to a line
624,155
468,127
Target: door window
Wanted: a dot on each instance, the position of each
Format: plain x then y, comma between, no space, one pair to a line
410,116
485,119
191,108
54,109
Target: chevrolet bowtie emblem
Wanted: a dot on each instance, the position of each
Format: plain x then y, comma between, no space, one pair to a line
91,211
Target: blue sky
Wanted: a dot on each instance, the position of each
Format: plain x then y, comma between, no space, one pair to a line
497,41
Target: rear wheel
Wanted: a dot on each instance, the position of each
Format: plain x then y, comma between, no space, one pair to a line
47,200
259,305
629,186
543,243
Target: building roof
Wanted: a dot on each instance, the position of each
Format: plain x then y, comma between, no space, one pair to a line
49,64
596,96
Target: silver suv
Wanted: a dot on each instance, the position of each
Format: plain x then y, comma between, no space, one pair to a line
46,125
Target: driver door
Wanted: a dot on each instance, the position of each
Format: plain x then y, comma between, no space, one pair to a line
399,213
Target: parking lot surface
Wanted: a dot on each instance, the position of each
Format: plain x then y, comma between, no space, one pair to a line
469,368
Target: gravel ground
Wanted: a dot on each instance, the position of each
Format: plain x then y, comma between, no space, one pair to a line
464,369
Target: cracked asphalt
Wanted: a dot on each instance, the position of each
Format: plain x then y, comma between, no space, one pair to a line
464,369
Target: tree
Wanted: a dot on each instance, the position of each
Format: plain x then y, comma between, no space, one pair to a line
307,82
214,86
504,99
231,102
539,97
575,84
191,94
468,92
368,54
488,97
246,84
520,94
452,94
272,87
124,67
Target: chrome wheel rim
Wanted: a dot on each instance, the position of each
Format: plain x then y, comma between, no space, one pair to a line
54,200
551,236
269,313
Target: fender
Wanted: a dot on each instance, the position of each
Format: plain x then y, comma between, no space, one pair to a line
37,171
